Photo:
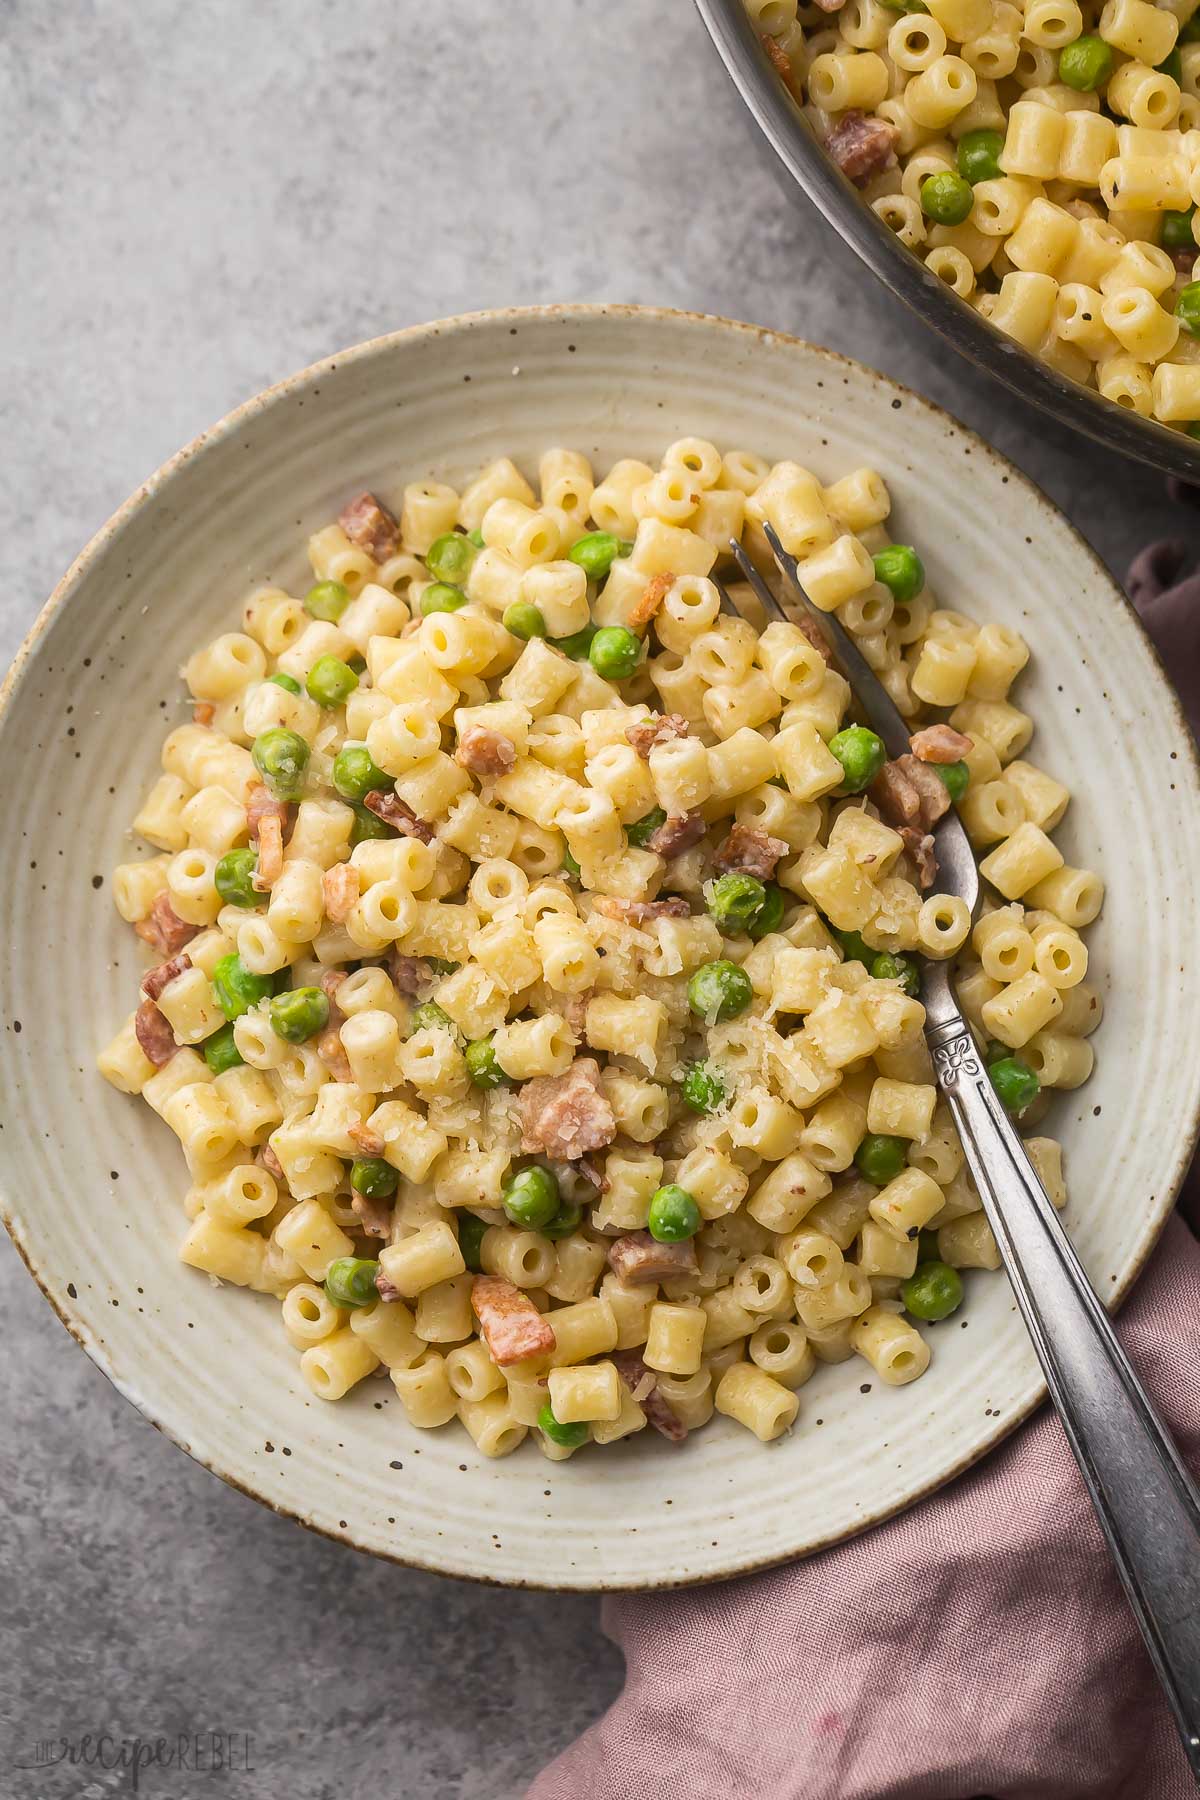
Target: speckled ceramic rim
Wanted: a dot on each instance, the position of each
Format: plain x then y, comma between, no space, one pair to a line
462,324
823,183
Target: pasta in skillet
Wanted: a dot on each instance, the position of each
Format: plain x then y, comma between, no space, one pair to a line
539,951
1042,159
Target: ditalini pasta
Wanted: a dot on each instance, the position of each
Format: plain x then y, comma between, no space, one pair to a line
538,951
1042,159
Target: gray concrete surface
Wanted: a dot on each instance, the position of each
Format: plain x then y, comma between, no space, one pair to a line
198,199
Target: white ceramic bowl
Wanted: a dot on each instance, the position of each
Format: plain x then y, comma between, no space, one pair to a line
92,1181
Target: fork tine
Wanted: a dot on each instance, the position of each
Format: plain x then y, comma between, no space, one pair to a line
727,606
770,604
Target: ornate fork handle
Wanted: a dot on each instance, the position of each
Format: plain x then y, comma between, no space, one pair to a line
1145,1499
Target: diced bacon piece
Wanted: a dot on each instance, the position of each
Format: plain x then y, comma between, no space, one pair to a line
831,6
861,145
592,1172
637,912
805,622
393,811
750,851
678,834
659,728
341,886
940,744
637,1258
270,853
649,601
512,1327
367,1139
574,1010
919,845
375,1216
485,753
154,1034
270,1161
908,792
369,525
643,1387
387,1290
164,929
203,713
1184,260
779,58
330,985
409,973
333,1055
161,977
566,1115
261,804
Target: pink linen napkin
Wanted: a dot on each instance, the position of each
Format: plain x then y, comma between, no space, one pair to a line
977,1645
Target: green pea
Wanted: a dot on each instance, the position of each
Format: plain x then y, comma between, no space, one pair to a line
328,601
1015,1083
442,596
1189,31
449,557
901,571
331,681
281,757
571,866
482,1066
645,827
979,154
530,1197
475,537
220,1051
429,1016
673,1216
578,645
368,825
356,773
855,947
898,968
235,989
879,1158
596,553
956,776
287,682
734,901
567,1219
233,877
569,1437
1177,231
719,991
933,1293
1086,64
524,621
861,754
298,1014
442,965
1172,65
350,1281
372,1176
615,652
470,1237
357,663
703,1088
769,916
946,199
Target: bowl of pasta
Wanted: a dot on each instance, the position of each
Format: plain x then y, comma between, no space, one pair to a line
488,1118
1023,178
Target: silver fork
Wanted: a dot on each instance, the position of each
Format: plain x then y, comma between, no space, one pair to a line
1146,1501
